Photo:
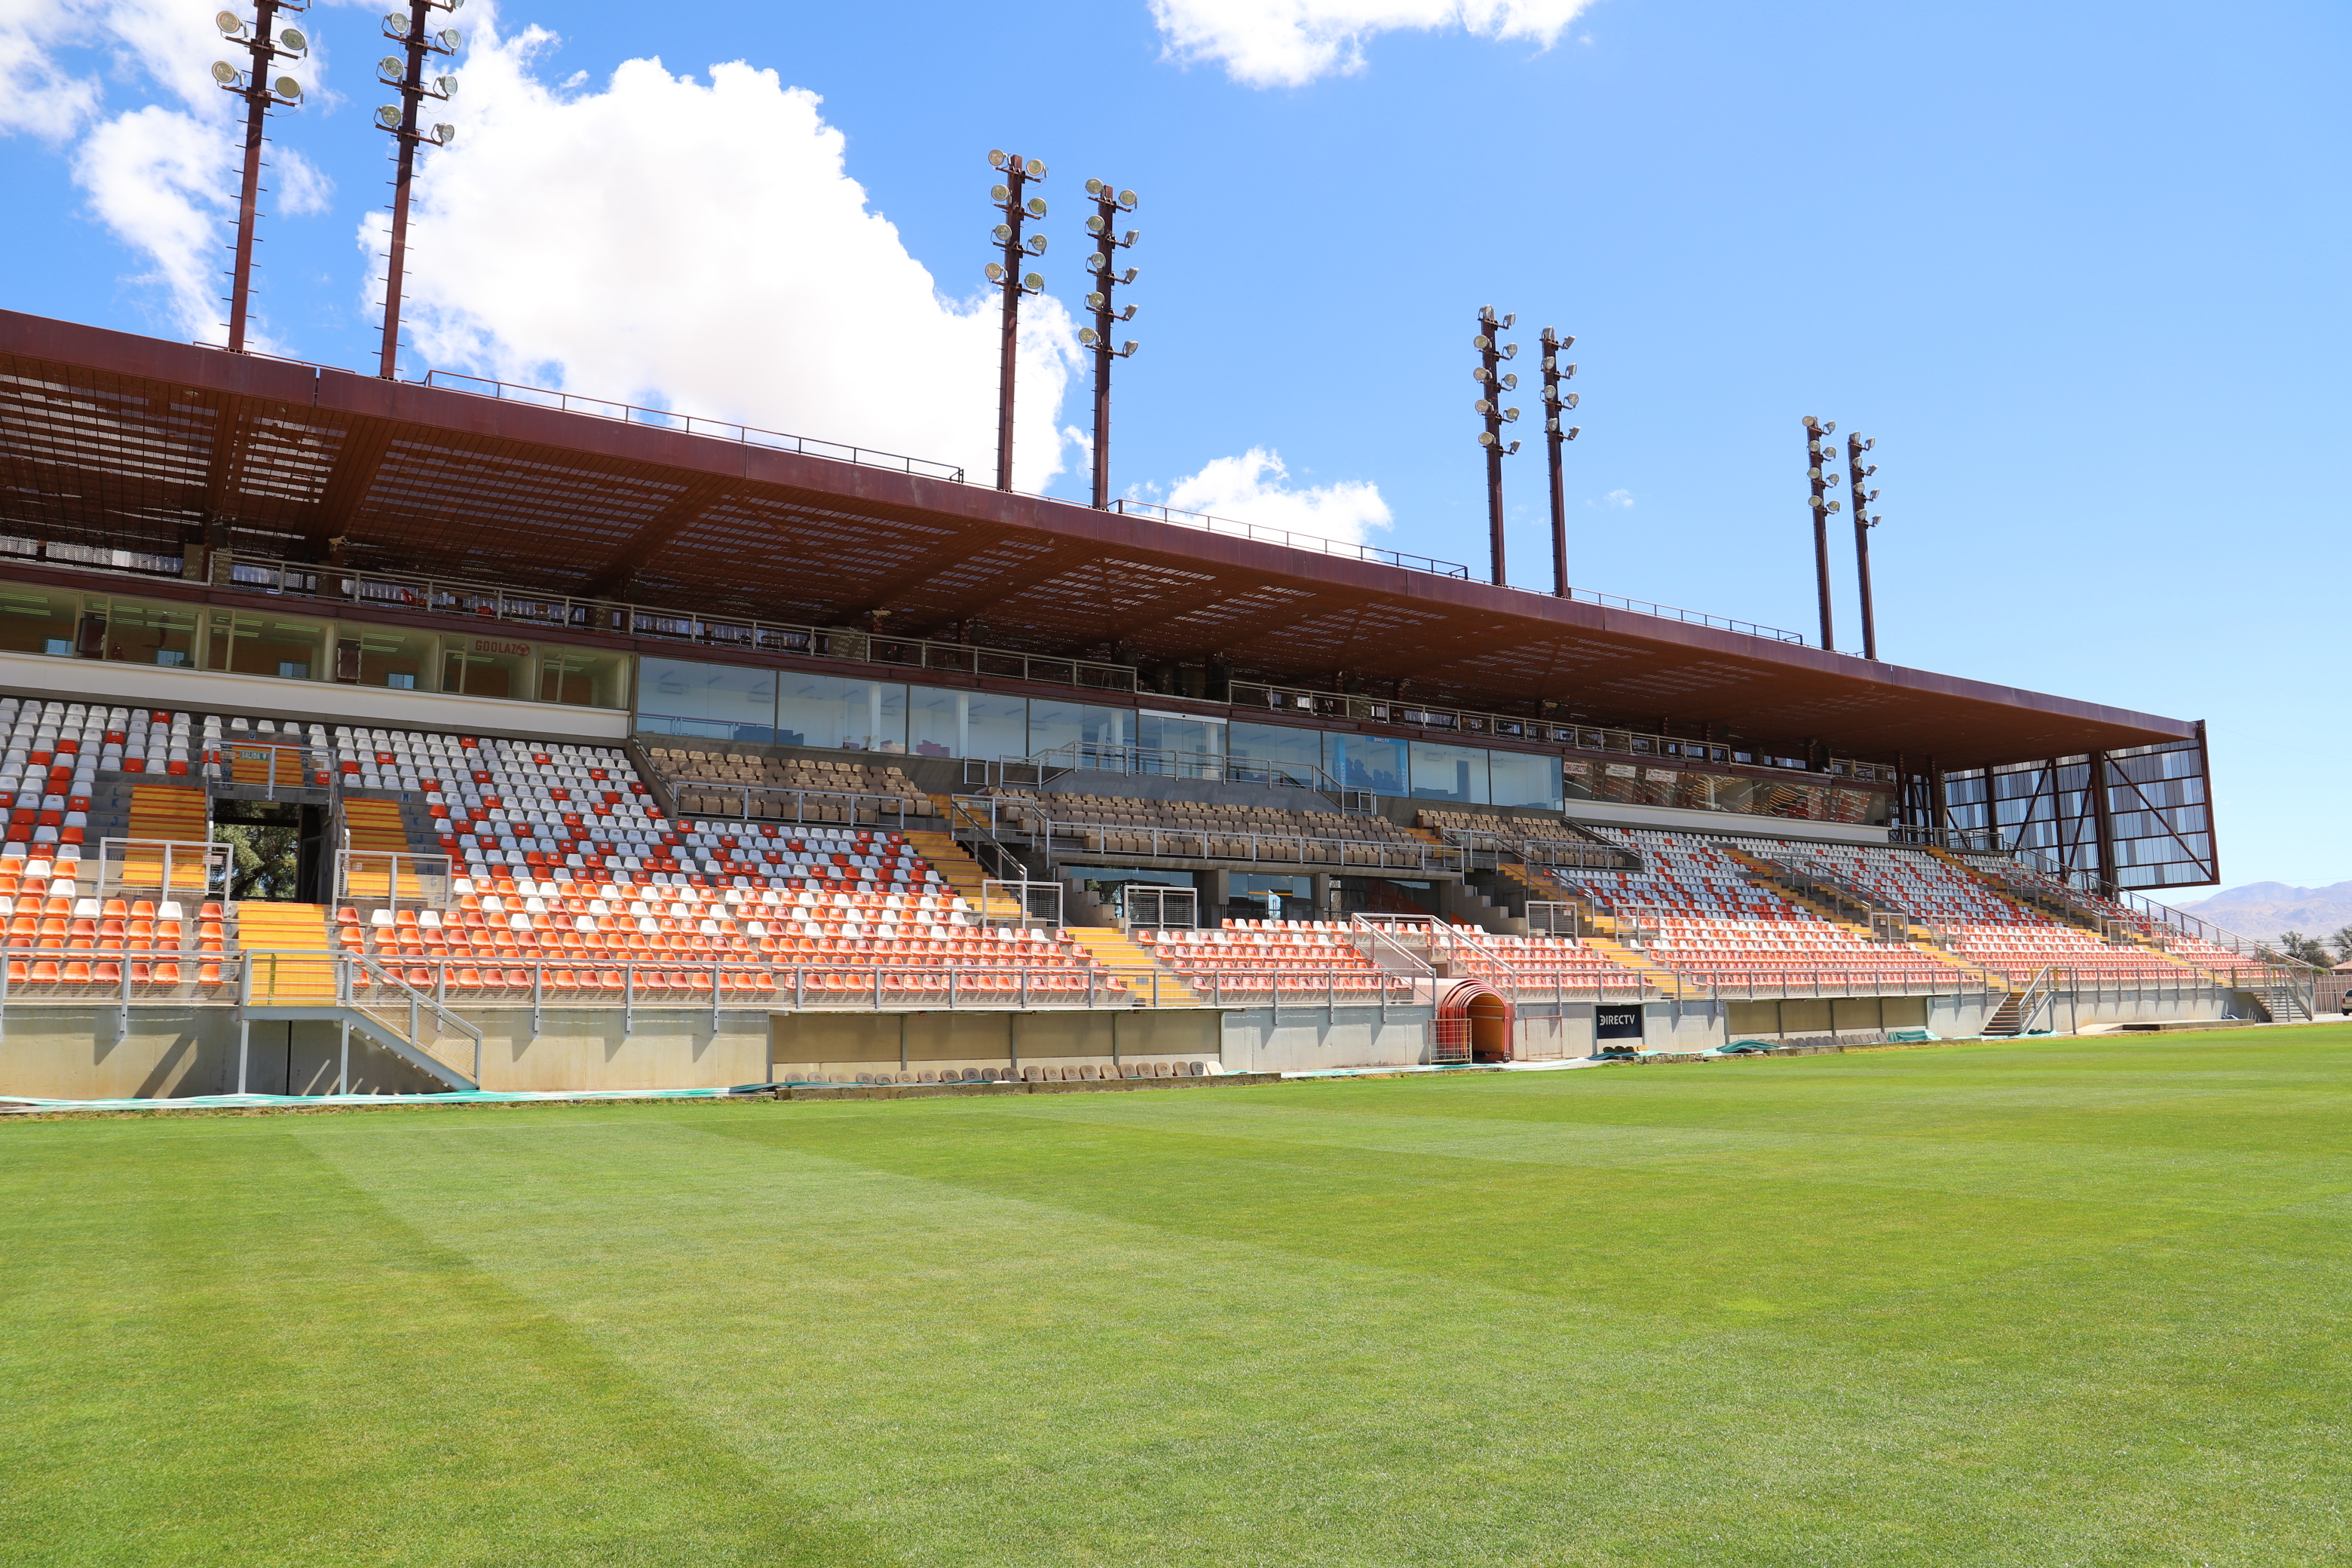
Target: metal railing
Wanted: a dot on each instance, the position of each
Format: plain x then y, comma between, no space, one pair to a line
477,602
1021,903
1488,847
687,423
393,879
1041,768
359,977
1060,839
1555,918
1204,523
1158,907
1586,737
43,974
165,866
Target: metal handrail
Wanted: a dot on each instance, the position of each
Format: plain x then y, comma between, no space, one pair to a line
1162,762
1580,736
349,967
477,602
686,424
1316,542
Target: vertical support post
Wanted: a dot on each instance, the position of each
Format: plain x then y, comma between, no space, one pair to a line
1489,405
244,1048
902,1042
1556,433
1017,174
256,108
343,1061
1855,474
2103,824
1816,460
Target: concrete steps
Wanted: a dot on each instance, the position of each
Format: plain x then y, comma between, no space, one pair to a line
1126,958
290,953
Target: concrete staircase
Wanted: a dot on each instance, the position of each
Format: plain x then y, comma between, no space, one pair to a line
959,871
289,954
1127,959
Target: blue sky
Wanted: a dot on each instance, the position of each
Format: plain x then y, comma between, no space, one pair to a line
2078,269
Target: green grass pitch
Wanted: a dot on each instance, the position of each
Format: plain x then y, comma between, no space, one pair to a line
2059,1302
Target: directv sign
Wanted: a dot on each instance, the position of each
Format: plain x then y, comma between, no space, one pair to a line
1617,1023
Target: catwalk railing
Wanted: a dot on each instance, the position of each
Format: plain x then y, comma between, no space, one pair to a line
1041,768
475,602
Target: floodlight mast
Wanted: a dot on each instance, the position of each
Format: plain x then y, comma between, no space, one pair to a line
1493,382
418,42
1007,198
1855,474
258,92
1557,431
1815,433
1111,204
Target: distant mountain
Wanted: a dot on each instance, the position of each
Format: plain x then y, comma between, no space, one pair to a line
2266,908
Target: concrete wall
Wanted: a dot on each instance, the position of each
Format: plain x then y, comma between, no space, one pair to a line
1310,1037
77,1053
842,1045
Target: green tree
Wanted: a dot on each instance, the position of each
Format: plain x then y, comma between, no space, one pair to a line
2307,949
2342,942
267,859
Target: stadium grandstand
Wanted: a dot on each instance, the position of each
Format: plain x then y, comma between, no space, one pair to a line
608,750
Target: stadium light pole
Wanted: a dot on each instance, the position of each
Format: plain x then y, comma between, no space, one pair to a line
404,73
1493,382
1109,204
1815,433
1556,403
1855,474
1018,171
266,45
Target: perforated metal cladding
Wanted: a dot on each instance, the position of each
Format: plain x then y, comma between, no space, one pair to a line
113,440
121,464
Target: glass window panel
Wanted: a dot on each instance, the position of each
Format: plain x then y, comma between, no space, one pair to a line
160,635
37,620
581,679
944,723
1448,773
1365,762
1297,751
828,711
245,644
389,657
724,702
1525,778
1194,738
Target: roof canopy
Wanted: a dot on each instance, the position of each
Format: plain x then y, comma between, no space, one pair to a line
134,443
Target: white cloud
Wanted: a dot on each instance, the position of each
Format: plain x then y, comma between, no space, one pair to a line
698,245
163,179
1290,43
1252,488
1618,499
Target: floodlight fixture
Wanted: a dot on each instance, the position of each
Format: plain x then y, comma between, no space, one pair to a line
1556,373
1491,355
411,30
1102,223
1009,198
1818,474
261,92
1863,522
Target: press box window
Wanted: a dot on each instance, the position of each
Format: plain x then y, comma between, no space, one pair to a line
264,644
33,620
395,660
582,680
158,635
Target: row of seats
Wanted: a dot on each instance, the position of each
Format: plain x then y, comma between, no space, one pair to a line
1509,829
682,768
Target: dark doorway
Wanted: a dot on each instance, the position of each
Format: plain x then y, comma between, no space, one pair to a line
278,849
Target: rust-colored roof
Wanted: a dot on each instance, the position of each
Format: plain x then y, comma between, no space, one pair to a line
110,439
